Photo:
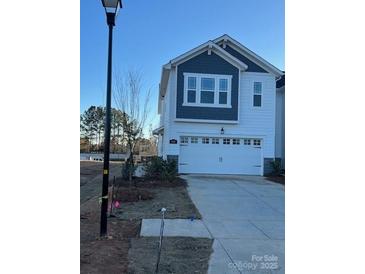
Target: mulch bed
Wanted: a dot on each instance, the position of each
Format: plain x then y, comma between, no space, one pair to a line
133,194
146,198
276,179
150,183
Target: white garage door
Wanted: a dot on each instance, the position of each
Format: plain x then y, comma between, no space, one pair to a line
220,155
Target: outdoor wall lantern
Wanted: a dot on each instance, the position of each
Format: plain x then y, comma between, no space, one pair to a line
222,131
111,9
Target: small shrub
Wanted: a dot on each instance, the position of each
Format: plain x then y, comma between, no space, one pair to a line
153,168
169,171
160,169
126,168
276,166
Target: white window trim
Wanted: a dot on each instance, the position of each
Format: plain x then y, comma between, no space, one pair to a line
261,94
216,77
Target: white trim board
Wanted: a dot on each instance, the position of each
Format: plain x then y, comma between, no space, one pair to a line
205,121
202,48
224,39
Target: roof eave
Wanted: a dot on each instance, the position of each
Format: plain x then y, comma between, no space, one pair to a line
210,45
274,70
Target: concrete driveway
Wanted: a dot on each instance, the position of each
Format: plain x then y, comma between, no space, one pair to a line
245,216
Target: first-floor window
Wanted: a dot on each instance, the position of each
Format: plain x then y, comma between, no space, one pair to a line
226,141
235,141
184,140
257,94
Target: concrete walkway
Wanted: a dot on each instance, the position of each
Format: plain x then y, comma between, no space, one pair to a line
174,228
245,216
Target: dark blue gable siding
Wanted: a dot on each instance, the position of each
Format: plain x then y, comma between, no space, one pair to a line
252,67
210,64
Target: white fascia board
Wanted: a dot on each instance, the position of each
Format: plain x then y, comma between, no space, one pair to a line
187,54
163,85
159,103
158,130
249,54
242,66
164,81
210,46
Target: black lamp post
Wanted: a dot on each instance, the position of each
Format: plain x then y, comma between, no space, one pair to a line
111,8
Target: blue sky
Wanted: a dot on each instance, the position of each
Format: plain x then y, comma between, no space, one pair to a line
149,33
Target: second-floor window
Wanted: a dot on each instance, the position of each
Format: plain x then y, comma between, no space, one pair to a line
207,90
257,94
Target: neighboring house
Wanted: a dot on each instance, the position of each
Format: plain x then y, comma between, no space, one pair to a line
280,121
217,106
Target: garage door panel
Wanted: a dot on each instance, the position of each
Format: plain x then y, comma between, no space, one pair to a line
220,158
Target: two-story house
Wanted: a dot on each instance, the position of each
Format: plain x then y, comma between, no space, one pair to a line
217,106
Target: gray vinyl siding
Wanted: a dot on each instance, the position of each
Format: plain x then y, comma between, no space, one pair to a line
252,67
208,64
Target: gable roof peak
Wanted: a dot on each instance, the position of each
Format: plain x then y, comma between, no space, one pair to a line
248,54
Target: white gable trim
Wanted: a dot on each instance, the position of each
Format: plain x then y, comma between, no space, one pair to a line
226,39
210,46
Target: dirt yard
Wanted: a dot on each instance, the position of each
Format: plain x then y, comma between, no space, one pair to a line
122,251
178,255
172,196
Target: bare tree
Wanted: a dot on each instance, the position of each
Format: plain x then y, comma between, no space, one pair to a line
133,102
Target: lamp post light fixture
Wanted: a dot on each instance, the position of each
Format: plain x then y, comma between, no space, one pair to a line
222,131
111,9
